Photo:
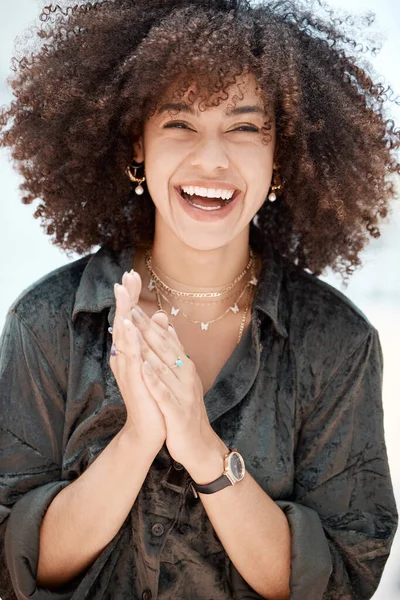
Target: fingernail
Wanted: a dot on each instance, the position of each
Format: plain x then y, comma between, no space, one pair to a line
170,326
161,311
132,272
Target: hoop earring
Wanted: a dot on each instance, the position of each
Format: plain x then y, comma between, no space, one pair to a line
276,186
135,166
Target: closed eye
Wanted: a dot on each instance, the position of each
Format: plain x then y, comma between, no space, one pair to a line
250,128
169,125
247,128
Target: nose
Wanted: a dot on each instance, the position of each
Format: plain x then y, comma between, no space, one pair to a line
210,155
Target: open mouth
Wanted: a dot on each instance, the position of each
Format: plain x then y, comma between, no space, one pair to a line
207,204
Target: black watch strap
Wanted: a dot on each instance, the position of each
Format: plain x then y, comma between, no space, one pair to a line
216,485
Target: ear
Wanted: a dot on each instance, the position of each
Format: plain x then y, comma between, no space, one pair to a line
138,150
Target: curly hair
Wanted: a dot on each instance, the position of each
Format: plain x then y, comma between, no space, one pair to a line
82,98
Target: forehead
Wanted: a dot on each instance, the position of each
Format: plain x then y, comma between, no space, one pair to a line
244,97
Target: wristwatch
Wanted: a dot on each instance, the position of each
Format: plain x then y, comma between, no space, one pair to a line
234,471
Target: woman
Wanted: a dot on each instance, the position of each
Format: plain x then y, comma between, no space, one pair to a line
189,412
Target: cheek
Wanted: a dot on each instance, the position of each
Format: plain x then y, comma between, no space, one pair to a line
164,158
159,177
159,165
256,201
259,175
258,185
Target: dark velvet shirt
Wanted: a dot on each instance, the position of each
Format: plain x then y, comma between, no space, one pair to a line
300,397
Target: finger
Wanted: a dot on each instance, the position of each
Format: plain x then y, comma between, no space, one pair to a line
160,369
174,335
158,338
161,318
162,393
172,331
127,366
133,283
161,342
132,351
128,345
122,311
166,348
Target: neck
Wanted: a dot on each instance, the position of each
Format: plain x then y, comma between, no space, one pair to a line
190,269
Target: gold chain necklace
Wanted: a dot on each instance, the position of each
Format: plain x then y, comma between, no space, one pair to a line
165,276
235,309
246,309
224,299
154,279
204,325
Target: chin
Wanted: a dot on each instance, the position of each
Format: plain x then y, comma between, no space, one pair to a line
197,236
203,243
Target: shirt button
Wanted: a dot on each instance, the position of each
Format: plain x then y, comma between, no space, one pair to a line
147,595
178,466
158,531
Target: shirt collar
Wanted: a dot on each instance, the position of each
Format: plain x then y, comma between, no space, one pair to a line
96,288
106,267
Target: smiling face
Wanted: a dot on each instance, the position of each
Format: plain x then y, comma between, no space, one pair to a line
220,148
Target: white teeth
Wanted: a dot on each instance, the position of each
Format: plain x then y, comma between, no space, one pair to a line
205,207
207,192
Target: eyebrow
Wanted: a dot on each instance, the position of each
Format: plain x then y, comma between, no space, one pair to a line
240,110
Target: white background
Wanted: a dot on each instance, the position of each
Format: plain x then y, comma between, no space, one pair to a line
26,253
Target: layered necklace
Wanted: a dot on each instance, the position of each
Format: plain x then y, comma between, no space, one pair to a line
169,294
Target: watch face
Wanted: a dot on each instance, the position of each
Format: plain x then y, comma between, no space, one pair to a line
236,465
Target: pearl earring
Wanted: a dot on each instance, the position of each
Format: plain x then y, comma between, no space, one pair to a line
276,186
272,197
135,166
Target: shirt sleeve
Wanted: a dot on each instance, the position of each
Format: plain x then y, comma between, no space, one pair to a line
32,418
343,515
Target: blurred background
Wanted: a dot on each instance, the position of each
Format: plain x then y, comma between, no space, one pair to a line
26,253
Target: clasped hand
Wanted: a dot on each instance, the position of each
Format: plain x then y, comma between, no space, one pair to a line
163,404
